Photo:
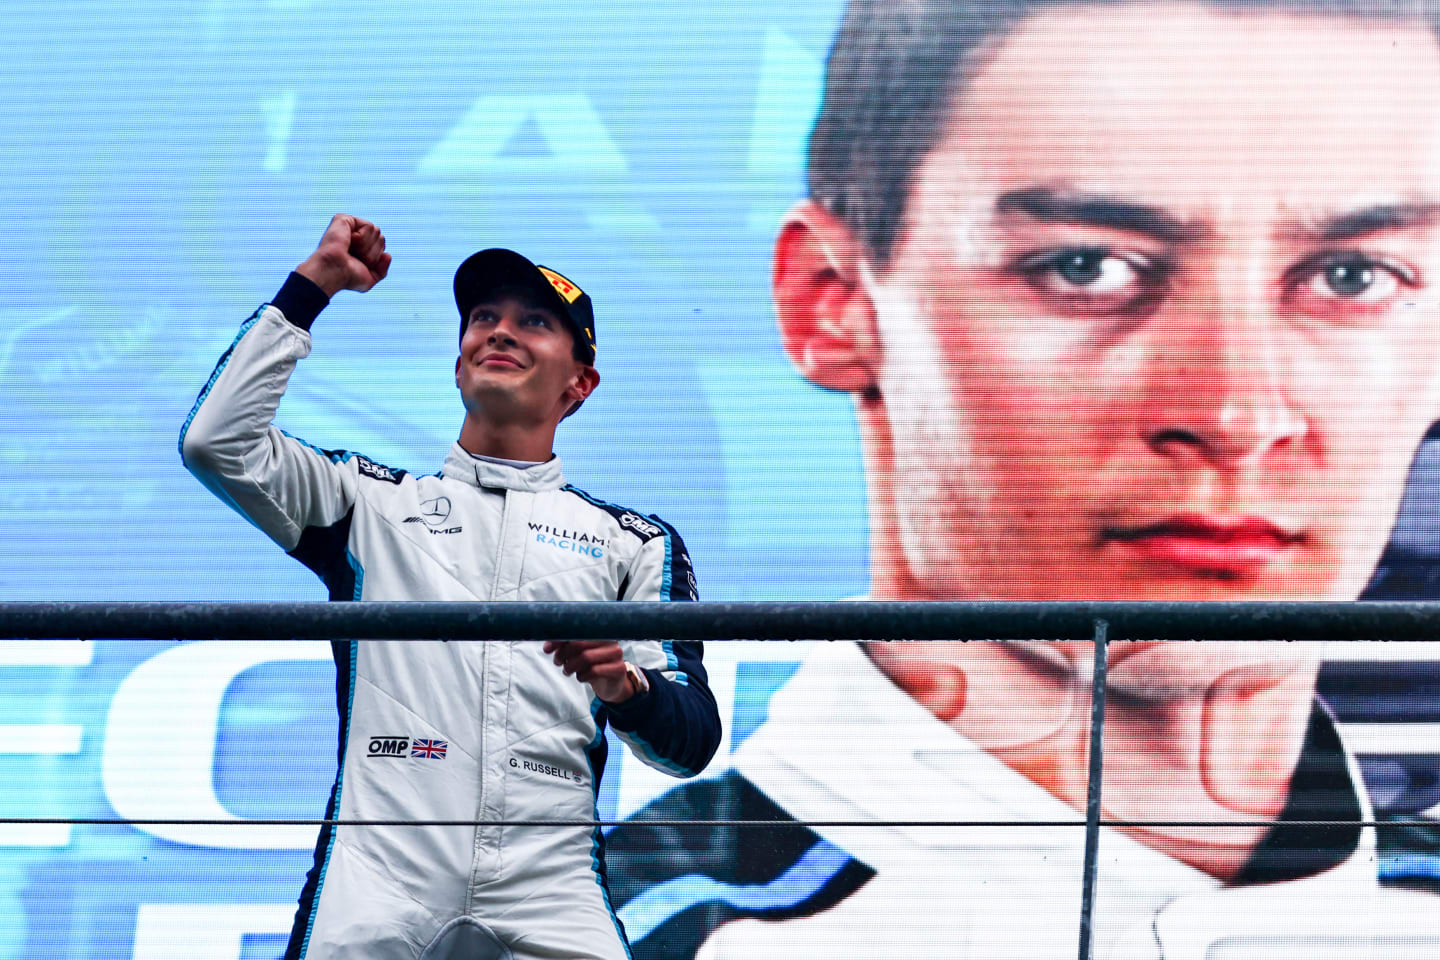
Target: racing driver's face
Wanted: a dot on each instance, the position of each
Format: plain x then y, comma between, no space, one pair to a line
516,362
1164,327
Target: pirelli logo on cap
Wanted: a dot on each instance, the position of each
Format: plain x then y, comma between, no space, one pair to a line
564,287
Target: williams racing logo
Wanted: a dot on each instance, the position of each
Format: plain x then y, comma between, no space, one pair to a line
575,541
406,747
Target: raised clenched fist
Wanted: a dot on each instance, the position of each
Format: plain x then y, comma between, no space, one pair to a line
351,256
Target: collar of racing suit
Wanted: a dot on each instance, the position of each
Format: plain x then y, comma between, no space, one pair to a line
460,465
840,707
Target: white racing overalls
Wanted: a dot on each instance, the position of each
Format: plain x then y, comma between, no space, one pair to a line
491,732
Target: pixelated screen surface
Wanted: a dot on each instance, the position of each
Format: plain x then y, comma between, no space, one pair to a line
1090,302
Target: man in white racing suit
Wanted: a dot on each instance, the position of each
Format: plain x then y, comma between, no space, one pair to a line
500,734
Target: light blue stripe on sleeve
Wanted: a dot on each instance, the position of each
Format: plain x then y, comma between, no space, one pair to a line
802,881
648,754
215,375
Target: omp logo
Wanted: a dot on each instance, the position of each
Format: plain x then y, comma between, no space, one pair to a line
389,747
376,471
564,287
640,526
402,747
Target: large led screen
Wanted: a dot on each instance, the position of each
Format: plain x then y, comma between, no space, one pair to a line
909,300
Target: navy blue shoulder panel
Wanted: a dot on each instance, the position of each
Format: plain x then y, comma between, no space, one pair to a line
680,572
378,471
674,885
368,468
645,526
642,526
326,551
682,584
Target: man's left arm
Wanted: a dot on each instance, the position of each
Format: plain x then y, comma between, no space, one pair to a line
655,692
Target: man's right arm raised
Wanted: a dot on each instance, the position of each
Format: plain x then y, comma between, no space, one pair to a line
280,484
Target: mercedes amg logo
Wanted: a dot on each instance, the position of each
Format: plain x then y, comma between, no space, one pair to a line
435,512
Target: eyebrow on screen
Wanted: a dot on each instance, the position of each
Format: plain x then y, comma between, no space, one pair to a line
1377,219
1050,205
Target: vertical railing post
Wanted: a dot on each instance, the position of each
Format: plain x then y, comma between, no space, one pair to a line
1092,795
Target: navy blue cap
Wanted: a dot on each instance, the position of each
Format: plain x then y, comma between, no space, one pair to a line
484,273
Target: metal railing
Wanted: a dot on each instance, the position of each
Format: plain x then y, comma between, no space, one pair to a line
1098,623
872,620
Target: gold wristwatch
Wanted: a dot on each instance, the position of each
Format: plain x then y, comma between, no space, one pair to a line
639,683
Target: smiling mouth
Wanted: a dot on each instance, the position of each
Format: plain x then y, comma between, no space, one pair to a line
500,360
1225,549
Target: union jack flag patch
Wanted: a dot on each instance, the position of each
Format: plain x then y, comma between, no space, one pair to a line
433,749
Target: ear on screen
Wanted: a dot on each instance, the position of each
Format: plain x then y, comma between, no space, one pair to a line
825,315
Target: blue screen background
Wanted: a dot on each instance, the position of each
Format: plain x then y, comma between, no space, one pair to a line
167,162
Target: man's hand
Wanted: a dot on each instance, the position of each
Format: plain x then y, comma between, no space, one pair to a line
596,662
351,256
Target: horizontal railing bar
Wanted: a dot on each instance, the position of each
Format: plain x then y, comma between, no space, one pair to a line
120,821
874,620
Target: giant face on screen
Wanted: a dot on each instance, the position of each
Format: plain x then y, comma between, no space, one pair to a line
1138,300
